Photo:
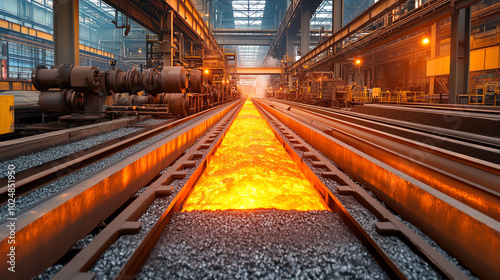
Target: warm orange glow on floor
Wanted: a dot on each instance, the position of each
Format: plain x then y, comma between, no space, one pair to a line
252,170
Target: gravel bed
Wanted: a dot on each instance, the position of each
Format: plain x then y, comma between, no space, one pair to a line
259,244
49,273
411,263
151,122
35,159
25,201
110,263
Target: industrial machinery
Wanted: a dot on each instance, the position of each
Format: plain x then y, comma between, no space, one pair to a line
173,90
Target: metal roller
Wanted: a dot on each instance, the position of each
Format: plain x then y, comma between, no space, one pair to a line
150,81
60,101
133,81
173,79
178,103
141,100
196,81
85,79
115,80
125,101
45,79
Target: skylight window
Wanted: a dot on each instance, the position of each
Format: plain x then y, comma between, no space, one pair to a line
248,14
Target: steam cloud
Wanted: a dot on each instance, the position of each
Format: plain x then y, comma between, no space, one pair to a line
262,81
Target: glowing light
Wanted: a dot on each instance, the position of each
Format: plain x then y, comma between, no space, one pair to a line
252,170
206,71
358,61
425,41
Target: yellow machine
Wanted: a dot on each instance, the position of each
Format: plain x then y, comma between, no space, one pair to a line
488,94
6,114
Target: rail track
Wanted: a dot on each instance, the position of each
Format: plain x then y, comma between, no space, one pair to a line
38,176
190,166
70,213
452,197
335,161
475,145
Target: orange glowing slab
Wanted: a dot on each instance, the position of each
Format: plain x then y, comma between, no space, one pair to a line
252,170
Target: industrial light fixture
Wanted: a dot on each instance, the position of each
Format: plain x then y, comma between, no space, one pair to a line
206,71
358,61
425,41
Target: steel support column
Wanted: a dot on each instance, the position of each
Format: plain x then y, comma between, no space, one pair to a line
305,28
289,53
337,17
289,44
459,54
167,37
434,50
66,32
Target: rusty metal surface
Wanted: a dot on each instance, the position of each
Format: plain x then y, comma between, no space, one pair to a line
30,179
33,143
485,125
81,263
470,236
471,181
69,84
348,187
52,227
475,145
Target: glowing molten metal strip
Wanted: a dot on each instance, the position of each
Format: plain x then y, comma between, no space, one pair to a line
252,170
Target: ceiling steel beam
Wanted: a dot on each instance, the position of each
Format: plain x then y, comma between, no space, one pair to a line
186,18
290,21
246,31
137,12
259,71
244,40
421,17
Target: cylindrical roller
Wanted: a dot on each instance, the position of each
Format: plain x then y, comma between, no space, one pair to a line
178,103
133,81
85,79
141,100
60,101
125,101
134,100
150,81
44,79
173,79
116,81
196,81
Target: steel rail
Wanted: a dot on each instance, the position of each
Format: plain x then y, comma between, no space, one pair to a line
471,181
474,145
36,177
33,143
465,233
126,222
84,260
453,107
53,226
389,224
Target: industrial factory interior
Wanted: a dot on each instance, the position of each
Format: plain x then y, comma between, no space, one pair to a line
249,139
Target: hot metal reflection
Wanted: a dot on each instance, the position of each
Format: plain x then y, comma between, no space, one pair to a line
252,170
